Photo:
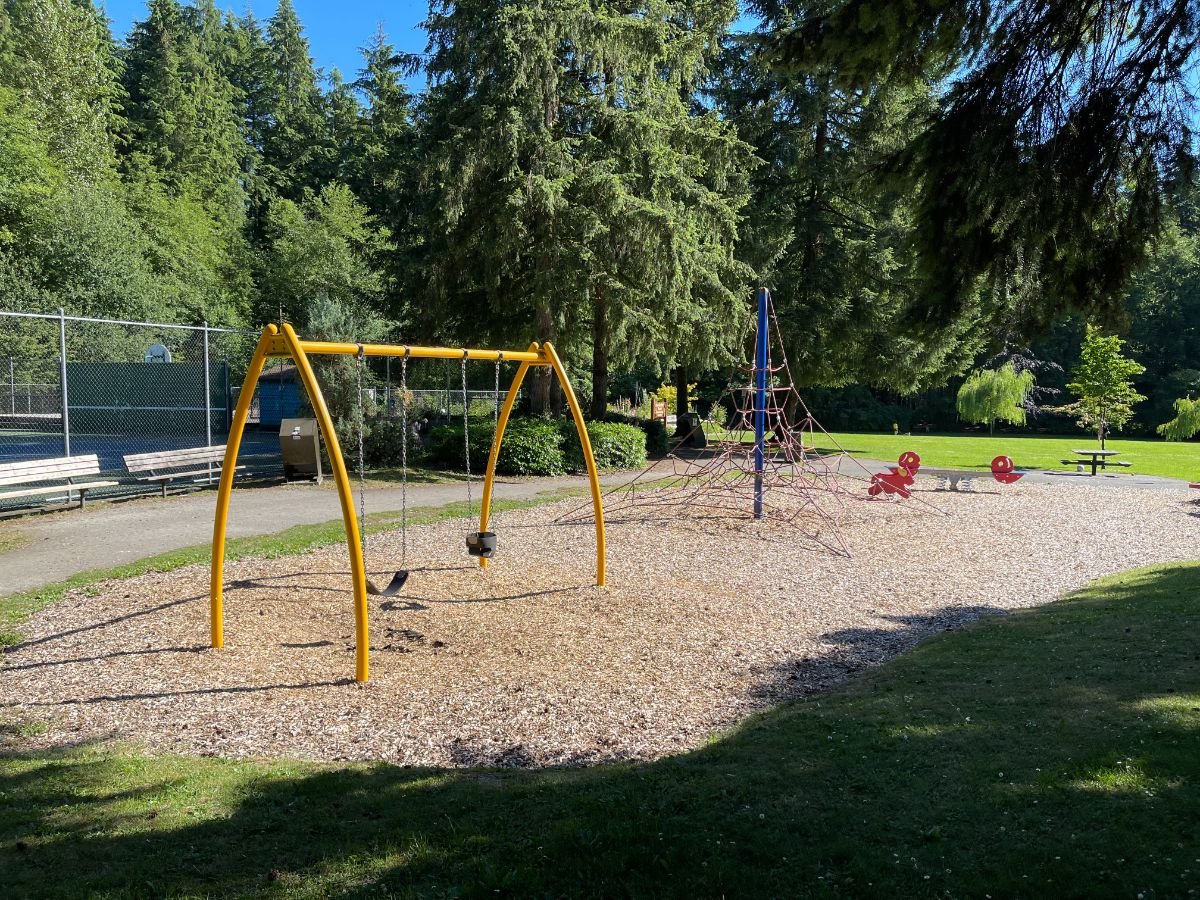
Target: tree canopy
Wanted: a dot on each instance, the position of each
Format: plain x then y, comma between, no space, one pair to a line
1062,131
923,185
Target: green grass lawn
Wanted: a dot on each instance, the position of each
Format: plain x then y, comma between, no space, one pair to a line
1047,752
1171,460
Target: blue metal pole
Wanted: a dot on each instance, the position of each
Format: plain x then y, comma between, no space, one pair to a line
760,400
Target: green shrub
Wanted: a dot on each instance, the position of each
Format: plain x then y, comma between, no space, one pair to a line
531,447
381,446
657,440
614,444
444,446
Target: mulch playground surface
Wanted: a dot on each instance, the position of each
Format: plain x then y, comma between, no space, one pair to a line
527,663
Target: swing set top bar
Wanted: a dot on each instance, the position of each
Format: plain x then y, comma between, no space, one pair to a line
279,348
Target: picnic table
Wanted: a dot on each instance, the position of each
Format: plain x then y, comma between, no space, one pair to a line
1097,459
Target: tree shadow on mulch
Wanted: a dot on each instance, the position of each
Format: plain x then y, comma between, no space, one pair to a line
1045,752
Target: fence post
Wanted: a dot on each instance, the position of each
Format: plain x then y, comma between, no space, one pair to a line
12,385
62,377
228,395
207,400
207,392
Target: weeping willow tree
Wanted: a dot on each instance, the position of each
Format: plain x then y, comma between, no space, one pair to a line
1186,422
995,395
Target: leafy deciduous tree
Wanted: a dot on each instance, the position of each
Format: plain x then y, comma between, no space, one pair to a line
995,395
1102,382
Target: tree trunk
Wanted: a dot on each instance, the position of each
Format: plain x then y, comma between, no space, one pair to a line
600,347
681,392
543,376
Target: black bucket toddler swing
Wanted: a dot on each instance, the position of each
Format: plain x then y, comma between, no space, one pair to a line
479,543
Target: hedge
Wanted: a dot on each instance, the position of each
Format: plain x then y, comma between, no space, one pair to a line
614,445
538,447
657,440
531,447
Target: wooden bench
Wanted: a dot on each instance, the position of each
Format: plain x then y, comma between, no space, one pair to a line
197,464
64,470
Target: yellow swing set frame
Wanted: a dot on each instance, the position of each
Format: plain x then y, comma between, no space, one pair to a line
281,343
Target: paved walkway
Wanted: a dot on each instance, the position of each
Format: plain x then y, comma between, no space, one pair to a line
58,545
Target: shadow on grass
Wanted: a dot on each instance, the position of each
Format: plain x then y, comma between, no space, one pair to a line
1048,752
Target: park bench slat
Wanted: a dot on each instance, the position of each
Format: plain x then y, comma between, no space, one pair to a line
64,489
52,463
165,466
47,469
165,459
63,469
216,470
185,453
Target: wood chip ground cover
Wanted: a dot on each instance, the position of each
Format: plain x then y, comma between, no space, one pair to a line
527,663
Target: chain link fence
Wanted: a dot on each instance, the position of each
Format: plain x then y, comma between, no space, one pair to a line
78,386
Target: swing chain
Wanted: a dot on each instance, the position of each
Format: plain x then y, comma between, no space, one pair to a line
362,478
466,429
496,396
404,457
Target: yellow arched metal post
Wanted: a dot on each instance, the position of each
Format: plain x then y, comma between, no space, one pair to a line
216,608
358,574
588,457
489,478
274,343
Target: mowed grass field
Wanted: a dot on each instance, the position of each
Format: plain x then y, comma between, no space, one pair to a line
1168,459
1049,752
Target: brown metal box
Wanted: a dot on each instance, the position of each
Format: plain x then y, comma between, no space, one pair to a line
300,446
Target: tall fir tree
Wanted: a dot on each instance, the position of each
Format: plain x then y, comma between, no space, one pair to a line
182,107
576,192
383,167
292,108
1060,128
828,234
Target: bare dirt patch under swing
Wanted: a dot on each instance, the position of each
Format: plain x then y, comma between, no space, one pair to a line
528,664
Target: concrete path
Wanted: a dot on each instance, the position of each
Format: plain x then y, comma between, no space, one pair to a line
57,545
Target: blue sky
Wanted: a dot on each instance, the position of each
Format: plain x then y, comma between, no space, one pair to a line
335,31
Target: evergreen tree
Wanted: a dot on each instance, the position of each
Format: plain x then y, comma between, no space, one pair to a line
291,109
573,183
827,234
248,67
342,138
1162,310
382,170
182,107
1063,125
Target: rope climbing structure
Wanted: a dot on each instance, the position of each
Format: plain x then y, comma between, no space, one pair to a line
759,462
